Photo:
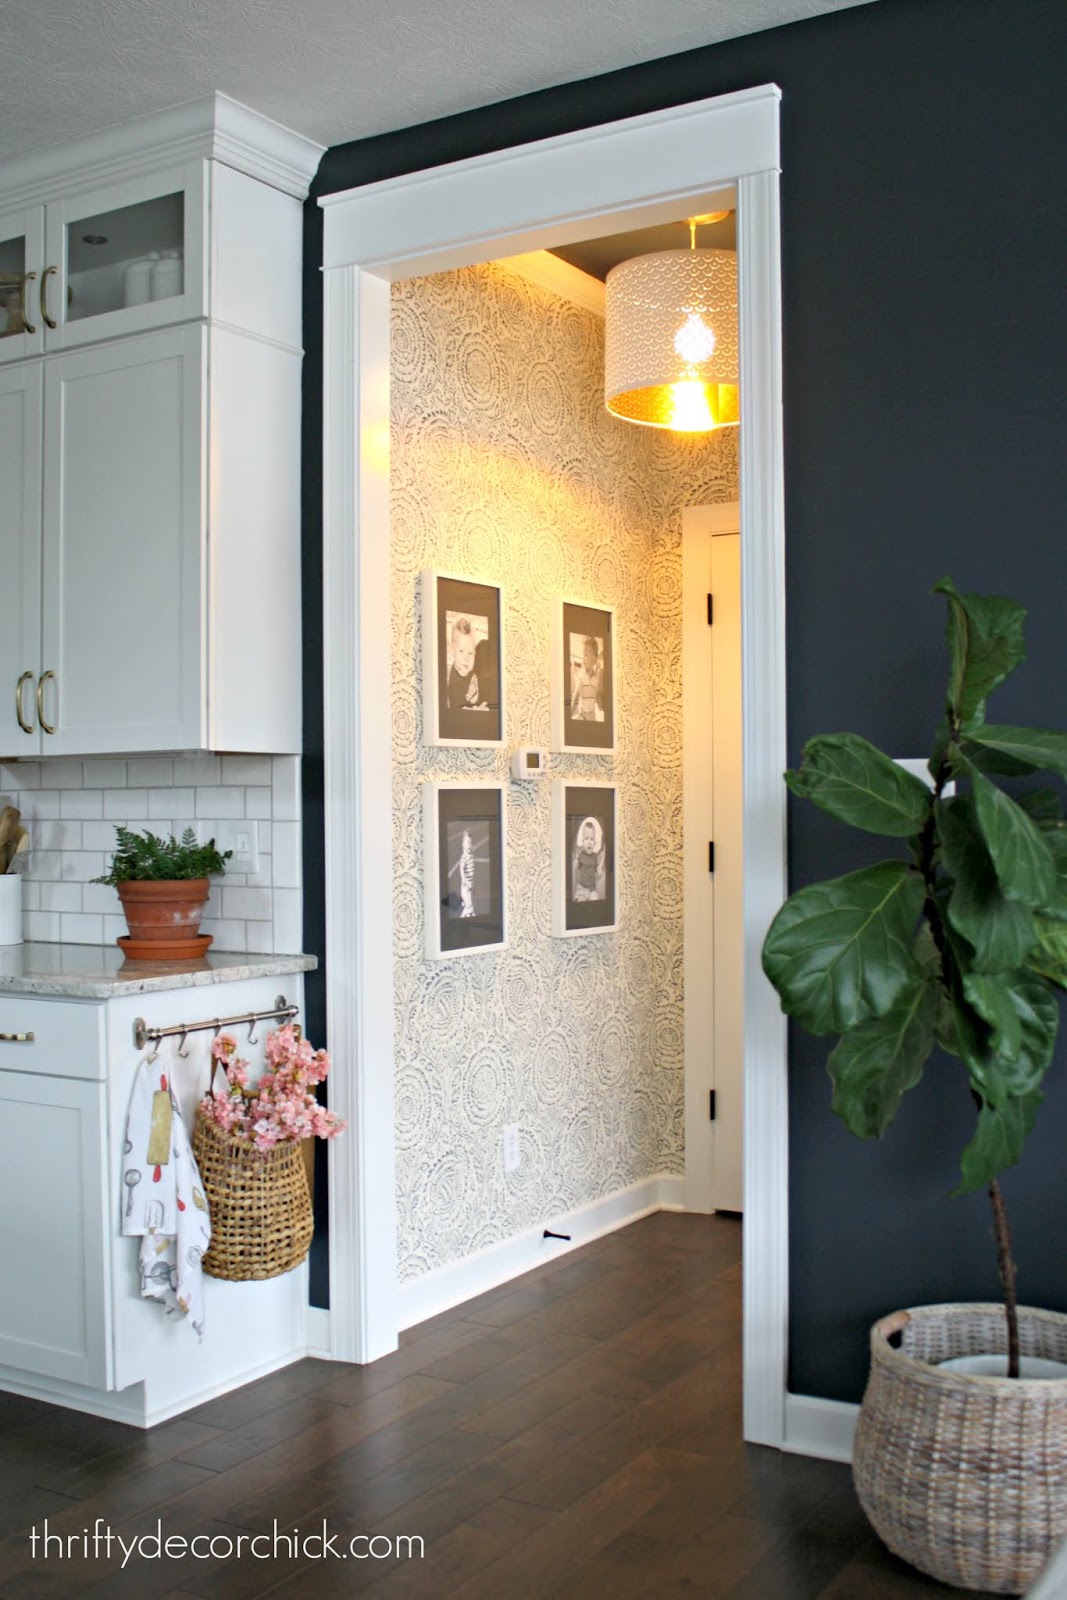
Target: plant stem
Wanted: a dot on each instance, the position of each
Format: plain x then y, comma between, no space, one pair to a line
1006,1265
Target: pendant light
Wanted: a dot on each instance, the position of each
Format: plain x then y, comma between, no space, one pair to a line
670,325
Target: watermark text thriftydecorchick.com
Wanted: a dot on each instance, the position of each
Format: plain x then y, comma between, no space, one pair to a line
103,1542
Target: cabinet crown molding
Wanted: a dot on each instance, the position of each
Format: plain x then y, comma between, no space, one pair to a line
213,127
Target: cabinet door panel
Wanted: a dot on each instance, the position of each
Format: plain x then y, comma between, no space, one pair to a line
123,511
21,265
20,555
55,1307
92,238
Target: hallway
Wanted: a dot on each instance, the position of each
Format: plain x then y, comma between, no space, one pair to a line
575,1435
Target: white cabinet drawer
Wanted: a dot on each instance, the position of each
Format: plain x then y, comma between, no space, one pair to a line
66,1037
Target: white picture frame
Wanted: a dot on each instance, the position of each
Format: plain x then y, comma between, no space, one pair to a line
584,701
447,602
578,805
464,822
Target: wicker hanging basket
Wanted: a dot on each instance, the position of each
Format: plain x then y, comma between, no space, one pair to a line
261,1221
965,1477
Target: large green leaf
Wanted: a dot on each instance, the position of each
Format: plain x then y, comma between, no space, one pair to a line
998,1141
1021,858
1042,806
855,782
875,1063
1001,931
985,640
839,952
1049,956
1024,1016
1031,749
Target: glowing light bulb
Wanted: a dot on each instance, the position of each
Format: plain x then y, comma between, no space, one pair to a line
690,409
694,340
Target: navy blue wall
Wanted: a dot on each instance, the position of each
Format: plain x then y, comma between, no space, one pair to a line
924,239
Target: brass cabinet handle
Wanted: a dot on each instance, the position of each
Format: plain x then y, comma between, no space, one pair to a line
27,677
27,325
16,1038
50,322
42,680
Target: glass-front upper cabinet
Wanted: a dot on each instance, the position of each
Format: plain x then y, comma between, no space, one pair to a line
21,250
104,262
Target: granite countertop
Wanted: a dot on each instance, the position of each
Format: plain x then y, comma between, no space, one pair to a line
101,972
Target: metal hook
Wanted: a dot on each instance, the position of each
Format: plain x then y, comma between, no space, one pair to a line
182,1051
252,1030
218,1026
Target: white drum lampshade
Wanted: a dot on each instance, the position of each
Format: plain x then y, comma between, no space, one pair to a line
670,328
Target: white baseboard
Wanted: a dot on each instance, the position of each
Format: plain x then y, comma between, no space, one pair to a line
823,1428
129,1405
317,1324
450,1286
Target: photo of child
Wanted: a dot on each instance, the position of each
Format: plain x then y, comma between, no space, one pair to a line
469,890
588,862
586,654
466,650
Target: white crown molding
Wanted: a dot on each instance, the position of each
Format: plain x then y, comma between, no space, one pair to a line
211,128
559,277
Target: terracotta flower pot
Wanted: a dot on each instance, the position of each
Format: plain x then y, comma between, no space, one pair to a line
164,918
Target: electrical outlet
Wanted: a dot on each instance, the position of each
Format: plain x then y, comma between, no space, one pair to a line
512,1148
242,837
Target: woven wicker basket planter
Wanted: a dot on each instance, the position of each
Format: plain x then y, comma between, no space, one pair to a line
261,1220
964,1477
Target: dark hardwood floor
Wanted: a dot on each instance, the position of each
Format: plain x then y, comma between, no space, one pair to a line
574,1435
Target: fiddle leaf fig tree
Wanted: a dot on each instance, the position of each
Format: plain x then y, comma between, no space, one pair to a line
962,942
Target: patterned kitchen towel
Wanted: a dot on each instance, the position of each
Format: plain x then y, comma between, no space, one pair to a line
163,1197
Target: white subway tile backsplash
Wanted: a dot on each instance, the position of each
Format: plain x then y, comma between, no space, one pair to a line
78,927
103,773
246,769
257,804
72,809
285,854
197,770
288,921
249,904
61,897
126,805
220,802
81,803
62,775
286,789
150,771
41,926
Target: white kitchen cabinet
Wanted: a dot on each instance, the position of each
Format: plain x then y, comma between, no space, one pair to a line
74,1327
149,451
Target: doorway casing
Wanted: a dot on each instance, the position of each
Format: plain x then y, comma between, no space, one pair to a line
629,174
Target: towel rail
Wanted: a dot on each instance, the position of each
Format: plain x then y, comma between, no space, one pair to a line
142,1033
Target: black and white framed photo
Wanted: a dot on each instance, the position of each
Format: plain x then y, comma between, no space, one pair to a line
583,681
584,848
462,661
463,829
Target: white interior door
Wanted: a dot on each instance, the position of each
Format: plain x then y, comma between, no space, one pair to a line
712,818
123,503
20,583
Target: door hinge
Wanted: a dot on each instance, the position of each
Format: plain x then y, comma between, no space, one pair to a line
711,855
711,1105
711,610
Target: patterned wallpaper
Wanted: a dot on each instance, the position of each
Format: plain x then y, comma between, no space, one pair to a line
506,468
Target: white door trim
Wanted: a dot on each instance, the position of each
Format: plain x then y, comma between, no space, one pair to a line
625,174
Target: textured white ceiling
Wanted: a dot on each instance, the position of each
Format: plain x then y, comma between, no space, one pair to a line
332,69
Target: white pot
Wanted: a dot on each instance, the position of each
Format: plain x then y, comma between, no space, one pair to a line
10,908
990,1366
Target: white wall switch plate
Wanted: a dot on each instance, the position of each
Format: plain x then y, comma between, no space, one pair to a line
241,836
512,1148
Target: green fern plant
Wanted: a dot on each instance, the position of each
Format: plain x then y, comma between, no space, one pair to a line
962,944
148,857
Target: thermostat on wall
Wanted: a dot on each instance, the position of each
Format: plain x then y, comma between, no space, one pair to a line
529,763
